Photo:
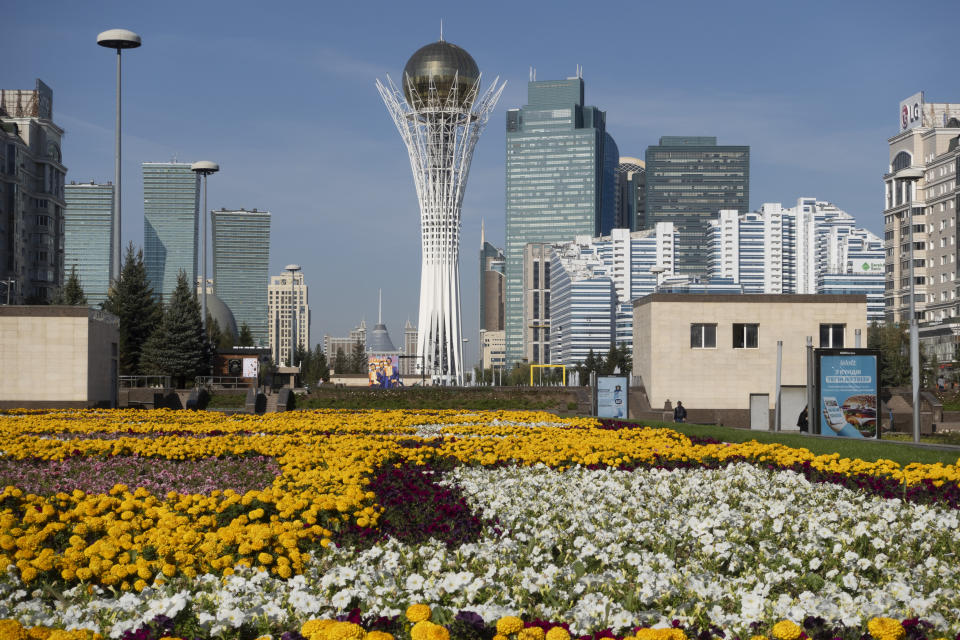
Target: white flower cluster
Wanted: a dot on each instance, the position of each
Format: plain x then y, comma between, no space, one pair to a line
596,548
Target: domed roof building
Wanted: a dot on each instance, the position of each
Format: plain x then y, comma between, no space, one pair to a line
444,66
220,312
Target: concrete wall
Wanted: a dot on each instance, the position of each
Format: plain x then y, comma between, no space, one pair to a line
723,378
57,356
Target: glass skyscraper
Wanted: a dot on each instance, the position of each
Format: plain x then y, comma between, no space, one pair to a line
88,225
171,199
689,180
241,256
560,183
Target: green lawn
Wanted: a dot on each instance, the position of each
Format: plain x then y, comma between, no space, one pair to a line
901,452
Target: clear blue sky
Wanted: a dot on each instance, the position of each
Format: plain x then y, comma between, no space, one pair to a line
282,95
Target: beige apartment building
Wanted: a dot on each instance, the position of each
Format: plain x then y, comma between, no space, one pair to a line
920,207
717,353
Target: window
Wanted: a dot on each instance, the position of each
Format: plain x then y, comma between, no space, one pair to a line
745,336
831,336
536,274
703,336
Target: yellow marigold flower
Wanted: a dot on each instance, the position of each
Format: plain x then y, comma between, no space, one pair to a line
421,630
531,633
310,627
786,630
38,633
509,624
758,637
378,635
500,637
12,629
661,634
558,633
438,632
886,629
342,631
418,612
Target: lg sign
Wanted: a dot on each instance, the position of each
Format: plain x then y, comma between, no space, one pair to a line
911,112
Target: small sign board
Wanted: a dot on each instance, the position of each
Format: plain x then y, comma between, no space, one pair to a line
847,393
612,397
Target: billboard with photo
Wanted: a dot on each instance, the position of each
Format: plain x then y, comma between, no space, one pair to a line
847,392
611,396
384,371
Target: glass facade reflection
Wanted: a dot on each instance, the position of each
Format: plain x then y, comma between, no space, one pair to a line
559,183
241,256
171,199
88,224
689,179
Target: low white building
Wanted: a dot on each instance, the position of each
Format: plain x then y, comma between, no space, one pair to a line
58,357
718,353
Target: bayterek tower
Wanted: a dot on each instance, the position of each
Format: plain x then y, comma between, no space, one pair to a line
440,114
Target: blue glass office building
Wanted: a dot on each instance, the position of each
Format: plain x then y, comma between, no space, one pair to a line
689,180
171,198
88,226
560,182
241,256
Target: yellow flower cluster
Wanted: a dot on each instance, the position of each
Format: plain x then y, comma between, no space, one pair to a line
127,539
511,628
886,629
13,630
786,630
658,634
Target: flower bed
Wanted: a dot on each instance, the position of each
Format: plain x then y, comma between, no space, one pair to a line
265,523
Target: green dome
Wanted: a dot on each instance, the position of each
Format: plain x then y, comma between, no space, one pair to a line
441,62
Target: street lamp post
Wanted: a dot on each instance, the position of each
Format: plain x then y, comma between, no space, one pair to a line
293,268
9,284
118,39
204,168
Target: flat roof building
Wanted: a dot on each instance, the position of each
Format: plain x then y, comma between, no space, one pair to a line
88,222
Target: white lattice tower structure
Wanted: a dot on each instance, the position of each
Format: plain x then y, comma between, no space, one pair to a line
440,129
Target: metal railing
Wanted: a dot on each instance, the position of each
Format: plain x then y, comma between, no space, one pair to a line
149,382
225,382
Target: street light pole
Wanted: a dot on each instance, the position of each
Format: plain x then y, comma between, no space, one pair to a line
204,168
293,268
118,39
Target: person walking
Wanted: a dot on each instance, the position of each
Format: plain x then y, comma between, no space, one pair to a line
680,413
802,421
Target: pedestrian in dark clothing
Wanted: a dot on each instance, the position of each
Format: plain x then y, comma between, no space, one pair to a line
679,414
802,421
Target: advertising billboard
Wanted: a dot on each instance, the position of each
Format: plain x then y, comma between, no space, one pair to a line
911,112
611,396
868,266
384,372
847,392
251,367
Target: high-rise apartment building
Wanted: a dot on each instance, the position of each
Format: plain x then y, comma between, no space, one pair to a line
88,224
408,364
814,247
31,196
689,179
921,202
171,200
289,311
594,282
560,183
241,256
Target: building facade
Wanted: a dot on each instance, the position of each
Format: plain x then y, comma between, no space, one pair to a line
492,287
171,200
630,203
689,179
920,208
333,344
32,201
241,257
88,224
288,307
560,183
493,345
814,247
718,353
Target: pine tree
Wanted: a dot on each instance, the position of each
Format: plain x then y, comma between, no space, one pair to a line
177,347
221,339
340,362
358,358
131,300
245,339
72,293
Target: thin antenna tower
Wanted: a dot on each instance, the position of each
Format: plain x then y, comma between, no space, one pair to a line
379,306
441,29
